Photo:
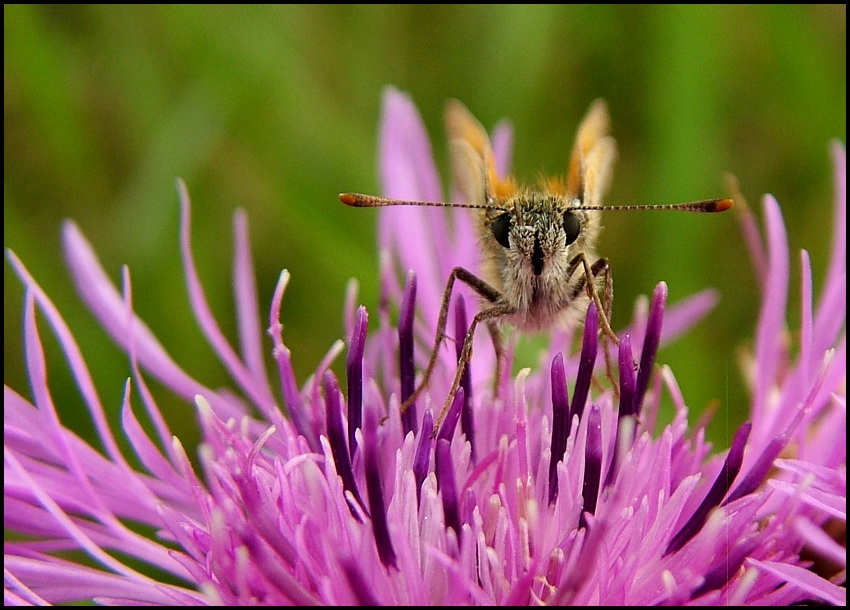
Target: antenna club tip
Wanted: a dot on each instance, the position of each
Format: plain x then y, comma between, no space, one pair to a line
722,205
348,199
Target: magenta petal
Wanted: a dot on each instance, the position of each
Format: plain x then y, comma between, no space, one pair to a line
503,145
722,483
422,458
247,309
467,417
337,439
408,172
259,392
407,370
75,360
820,542
832,305
772,319
589,347
560,422
108,307
375,493
806,580
289,386
592,460
354,373
651,340
448,487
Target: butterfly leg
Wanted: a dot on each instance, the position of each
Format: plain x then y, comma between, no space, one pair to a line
491,313
604,304
478,285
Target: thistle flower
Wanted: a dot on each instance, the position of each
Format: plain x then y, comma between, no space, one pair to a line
533,495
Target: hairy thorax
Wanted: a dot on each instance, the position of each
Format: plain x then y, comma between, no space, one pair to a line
547,301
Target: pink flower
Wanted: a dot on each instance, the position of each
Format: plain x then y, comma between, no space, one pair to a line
331,496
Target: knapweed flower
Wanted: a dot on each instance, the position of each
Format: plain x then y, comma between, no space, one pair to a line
531,494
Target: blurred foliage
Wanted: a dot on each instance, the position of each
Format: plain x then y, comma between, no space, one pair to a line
275,109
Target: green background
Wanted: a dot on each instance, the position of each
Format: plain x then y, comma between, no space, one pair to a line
275,109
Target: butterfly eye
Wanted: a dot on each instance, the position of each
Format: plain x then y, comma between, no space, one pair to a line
572,226
501,229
